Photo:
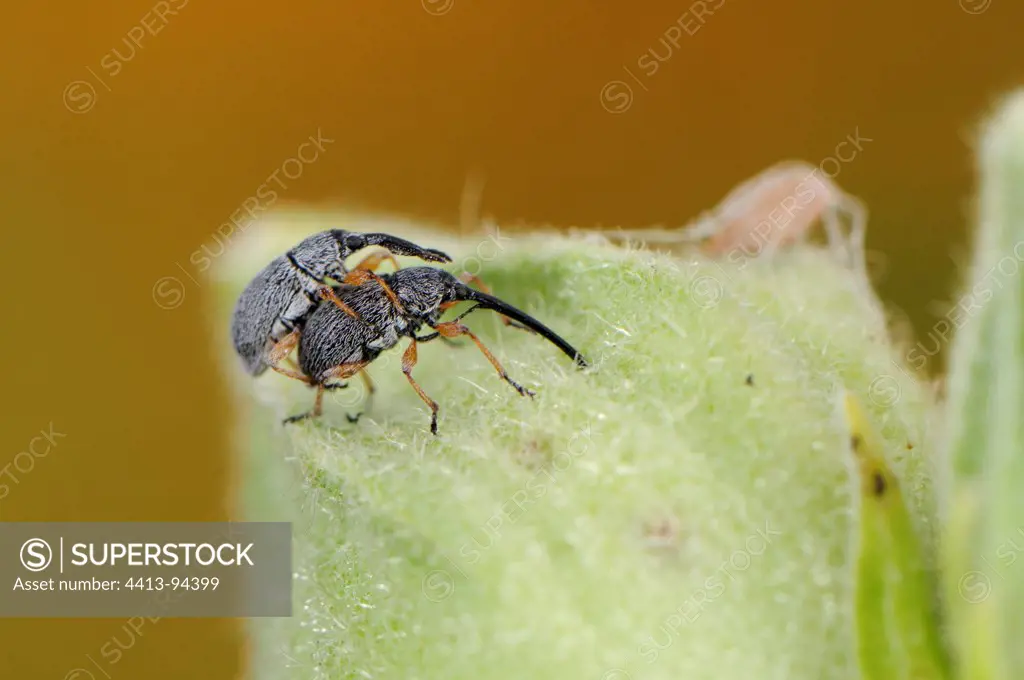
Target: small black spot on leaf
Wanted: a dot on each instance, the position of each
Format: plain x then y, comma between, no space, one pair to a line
750,379
855,442
880,484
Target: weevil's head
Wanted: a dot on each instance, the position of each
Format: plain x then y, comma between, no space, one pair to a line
425,293
457,291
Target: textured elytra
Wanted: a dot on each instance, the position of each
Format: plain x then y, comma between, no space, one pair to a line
277,291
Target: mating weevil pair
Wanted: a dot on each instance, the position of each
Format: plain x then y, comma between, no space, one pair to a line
340,330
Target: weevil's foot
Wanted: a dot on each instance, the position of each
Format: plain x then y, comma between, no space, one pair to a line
433,425
523,391
295,419
353,418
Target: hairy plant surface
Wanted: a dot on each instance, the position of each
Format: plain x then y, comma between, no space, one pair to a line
687,507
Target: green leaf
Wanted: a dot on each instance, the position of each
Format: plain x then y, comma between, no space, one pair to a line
984,587
897,623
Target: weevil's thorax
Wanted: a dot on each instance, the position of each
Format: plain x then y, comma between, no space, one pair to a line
320,255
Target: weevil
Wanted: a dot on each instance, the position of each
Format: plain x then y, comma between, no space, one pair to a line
271,311
775,208
335,346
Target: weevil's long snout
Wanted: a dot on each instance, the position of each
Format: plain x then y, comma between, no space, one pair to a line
355,241
490,302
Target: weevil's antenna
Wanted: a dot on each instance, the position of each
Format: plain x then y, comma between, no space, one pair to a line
490,302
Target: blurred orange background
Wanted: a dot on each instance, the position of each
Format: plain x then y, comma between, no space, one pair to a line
121,164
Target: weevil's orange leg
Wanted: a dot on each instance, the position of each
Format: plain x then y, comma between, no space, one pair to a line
370,389
408,361
357,277
466,277
327,293
362,273
280,352
318,406
344,371
371,262
339,373
452,329
294,375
